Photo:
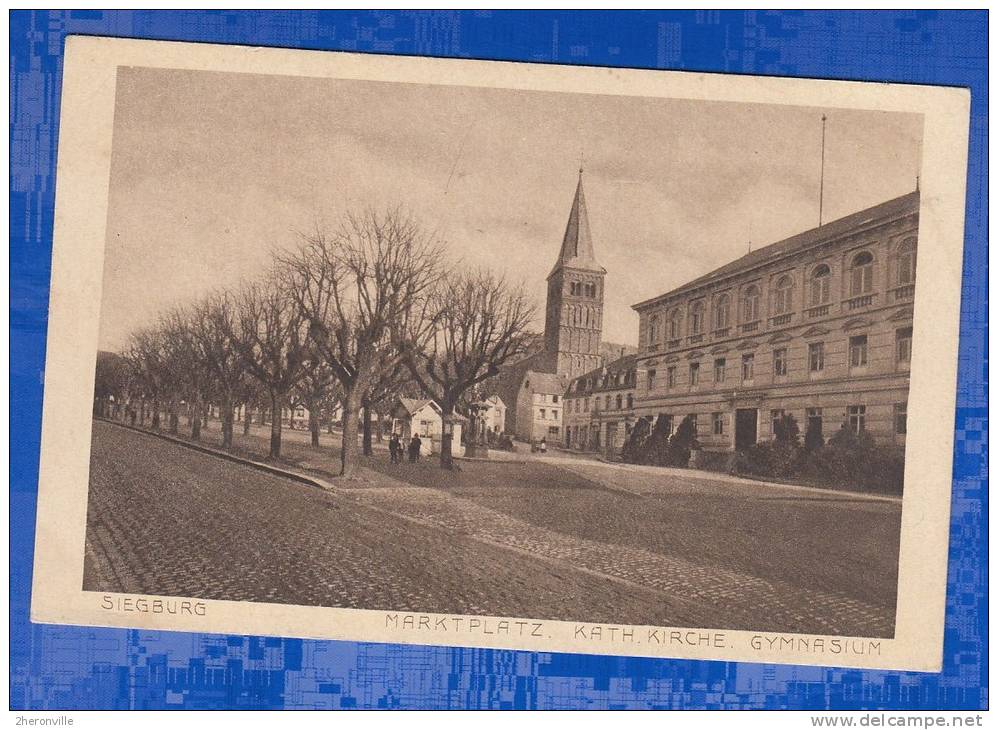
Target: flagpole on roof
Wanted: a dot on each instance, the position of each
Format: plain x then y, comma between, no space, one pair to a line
821,185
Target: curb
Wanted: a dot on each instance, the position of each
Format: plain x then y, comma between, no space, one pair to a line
258,465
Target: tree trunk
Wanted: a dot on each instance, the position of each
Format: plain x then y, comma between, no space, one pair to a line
195,419
447,438
155,413
313,423
228,419
275,426
348,452
142,412
247,419
368,449
174,417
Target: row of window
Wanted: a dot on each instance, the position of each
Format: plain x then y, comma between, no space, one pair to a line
858,358
582,289
579,316
605,380
819,293
609,402
855,419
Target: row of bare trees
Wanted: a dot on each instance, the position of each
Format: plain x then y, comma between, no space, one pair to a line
357,314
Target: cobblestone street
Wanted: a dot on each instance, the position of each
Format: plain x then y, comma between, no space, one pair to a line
551,538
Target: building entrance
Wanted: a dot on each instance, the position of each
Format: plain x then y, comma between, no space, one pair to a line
746,427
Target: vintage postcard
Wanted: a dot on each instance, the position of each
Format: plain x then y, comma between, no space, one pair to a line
523,356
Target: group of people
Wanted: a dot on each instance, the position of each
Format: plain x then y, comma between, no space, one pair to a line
397,449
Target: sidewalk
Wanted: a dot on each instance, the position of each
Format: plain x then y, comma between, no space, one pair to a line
575,464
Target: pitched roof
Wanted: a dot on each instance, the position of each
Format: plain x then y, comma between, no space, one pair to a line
545,382
891,208
621,364
413,405
577,246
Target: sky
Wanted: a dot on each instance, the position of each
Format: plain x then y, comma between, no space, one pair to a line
212,172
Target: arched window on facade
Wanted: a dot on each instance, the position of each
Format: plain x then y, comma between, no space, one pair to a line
675,324
750,303
906,263
861,274
696,318
722,312
820,290
783,295
653,329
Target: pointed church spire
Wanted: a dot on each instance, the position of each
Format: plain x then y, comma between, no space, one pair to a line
577,246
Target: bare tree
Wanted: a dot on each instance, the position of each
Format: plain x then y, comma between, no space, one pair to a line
318,390
390,382
215,329
147,355
188,373
251,396
361,289
479,324
270,336
112,383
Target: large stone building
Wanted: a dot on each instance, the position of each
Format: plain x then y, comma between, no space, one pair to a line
573,329
818,326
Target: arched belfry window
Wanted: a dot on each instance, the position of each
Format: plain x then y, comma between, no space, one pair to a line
906,263
861,274
750,303
820,288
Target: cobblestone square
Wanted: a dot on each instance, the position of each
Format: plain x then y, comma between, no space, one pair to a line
548,538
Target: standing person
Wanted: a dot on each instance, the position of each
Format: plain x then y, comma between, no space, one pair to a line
414,444
544,444
394,447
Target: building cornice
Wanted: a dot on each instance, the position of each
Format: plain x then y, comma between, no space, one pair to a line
842,239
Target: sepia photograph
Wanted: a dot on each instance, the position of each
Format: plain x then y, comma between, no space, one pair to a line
443,350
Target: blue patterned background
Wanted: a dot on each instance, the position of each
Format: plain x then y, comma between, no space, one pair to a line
80,668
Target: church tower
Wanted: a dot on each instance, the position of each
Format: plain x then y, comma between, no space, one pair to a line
573,326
